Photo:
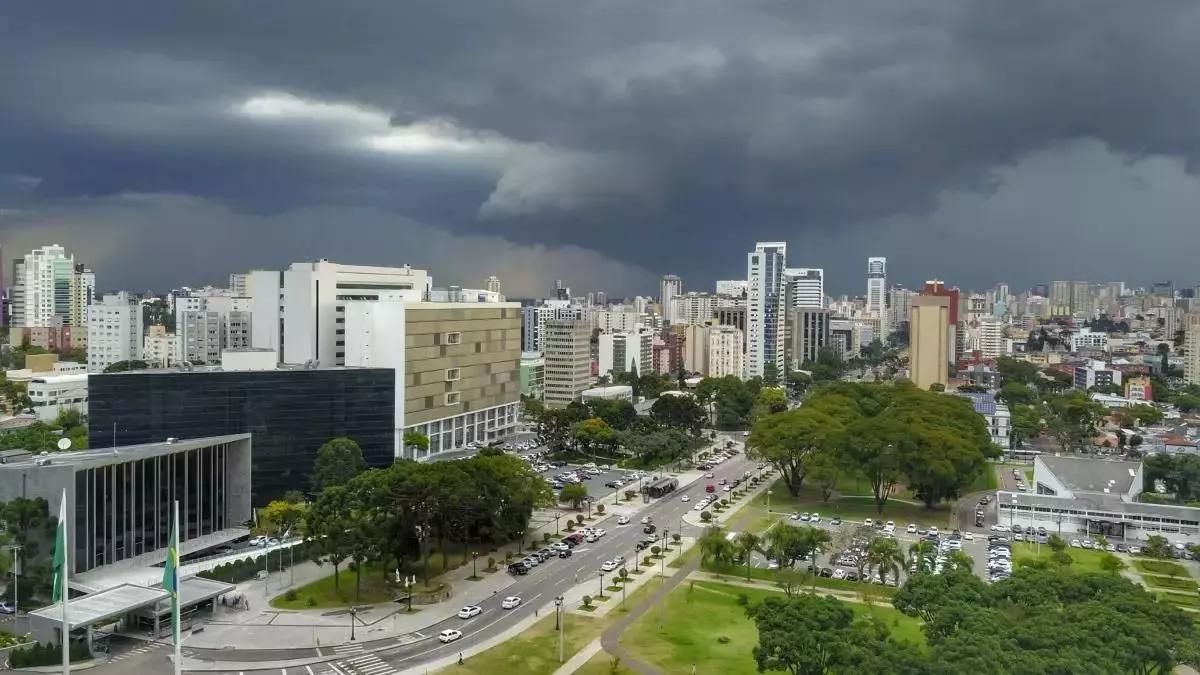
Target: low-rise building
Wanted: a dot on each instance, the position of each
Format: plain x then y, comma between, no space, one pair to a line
52,394
995,415
533,375
616,392
1139,389
1096,374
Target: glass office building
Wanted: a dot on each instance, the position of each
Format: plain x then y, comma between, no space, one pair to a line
289,413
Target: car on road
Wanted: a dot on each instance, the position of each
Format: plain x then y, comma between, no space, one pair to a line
449,635
1075,544
685,498
999,528
837,520
608,566
796,516
518,568
649,528
531,561
933,530
968,536
983,501
868,522
469,611
814,518
511,602
804,517
565,553
890,527
599,532
1135,550
839,574
700,507
647,520
623,520
710,488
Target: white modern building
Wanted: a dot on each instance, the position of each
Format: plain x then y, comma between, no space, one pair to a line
50,289
1077,497
493,284
1088,340
265,290
160,348
877,292
624,352
991,338
725,352
733,287
616,392
114,331
695,348
53,393
535,317
314,303
765,330
617,322
568,361
804,287
995,415
669,287
692,308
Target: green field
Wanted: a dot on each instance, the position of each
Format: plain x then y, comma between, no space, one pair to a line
703,625
1180,599
850,508
1173,583
1084,560
1169,569
738,572
323,594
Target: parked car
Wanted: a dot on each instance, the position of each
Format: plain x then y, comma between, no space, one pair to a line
649,528
518,568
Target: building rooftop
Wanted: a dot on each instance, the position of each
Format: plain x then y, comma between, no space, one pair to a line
290,367
1092,475
1100,502
123,453
985,404
102,606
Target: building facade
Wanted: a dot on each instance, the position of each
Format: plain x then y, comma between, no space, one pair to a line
877,293
114,331
725,352
929,341
159,348
808,333
52,394
533,375
765,330
120,499
695,348
692,308
289,412
804,287
568,361
624,352
670,286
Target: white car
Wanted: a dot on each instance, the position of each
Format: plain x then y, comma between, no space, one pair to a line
868,522
449,635
968,536
933,531
999,528
685,498
608,566
469,611
700,506
623,520
814,518
599,532
708,475
911,529
645,520
590,538
1075,543
511,602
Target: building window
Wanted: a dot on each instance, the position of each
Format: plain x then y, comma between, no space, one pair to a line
452,374
453,398
452,338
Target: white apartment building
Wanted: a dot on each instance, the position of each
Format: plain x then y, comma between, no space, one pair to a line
695,348
53,393
991,338
804,287
733,287
314,302
535,317
50,289
265,290
877,292
725,352
209,321
492,284
669,287
625,352
160,348
1191,348
691,308
765,329
617,322
568,361
114,331
1087,340
900,302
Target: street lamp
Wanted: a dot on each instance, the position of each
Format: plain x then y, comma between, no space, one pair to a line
557,515
409,582
560,625
602,584
353,613
768,502
521,534
474,557
663,560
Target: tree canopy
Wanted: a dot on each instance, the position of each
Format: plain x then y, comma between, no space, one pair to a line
337,462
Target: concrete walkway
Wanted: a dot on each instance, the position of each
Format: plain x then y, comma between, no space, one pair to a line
576,662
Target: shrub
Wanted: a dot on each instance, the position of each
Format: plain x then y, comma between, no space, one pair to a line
579,520
545,537
600,509
676,537
705,516
491,563
742,600
629,495
655,550
312,602
587,601
647,560
508,556
724,502
570,526
290,596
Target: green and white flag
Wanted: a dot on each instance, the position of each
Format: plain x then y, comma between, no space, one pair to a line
171,583
61,542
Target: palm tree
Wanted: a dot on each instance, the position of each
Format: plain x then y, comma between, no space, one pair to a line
747,543
960,562
1101,542
815,541
715,547
1056,543
920,557
781,542
884,555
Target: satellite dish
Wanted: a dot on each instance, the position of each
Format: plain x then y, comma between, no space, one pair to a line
64,443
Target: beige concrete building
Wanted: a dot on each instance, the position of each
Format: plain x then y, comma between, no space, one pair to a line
568,356
695,348
1191,348
457,367
808,333
726,352
929,341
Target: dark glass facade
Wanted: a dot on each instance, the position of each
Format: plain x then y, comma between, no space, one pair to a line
289,413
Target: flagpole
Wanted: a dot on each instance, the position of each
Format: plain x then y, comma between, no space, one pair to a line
66,626
175,598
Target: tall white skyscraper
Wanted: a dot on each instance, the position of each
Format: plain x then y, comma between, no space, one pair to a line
877,293
669,287
493,284
804,287
50,289
765,334
114,331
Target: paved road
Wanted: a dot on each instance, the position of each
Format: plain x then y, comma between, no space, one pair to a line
539,587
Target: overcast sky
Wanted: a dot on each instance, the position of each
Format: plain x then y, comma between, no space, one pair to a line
605,143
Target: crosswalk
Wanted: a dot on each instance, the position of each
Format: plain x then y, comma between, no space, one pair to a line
348,648
367,664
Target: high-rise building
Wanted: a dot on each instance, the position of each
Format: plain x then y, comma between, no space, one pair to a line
936,288
733,287
568,360
534,318
1191,348
808,333
265,290
625,352
457,367
239,283
695,348
991,337
1081,298
114,331
561,292
725,352
929,341
49,289
765,329
492,284
314,299
601,299
898,305
668,288
693,307
804,287
1060,298
877,292
533,375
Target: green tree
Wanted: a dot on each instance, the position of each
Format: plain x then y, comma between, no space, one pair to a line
769,402
417,441
884,556
1072,418
618,414
1026,423
770,374
1111,563
281,516
787,439
747,543
807,635
678,412
715,548
574,494
338,461
593,433
921,556
331,526
1157,547
1139,414
1015,393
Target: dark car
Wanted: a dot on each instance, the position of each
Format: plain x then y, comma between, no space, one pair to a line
564,553
614,484
640,545
827,572
984,500
851,575
518,568
650,528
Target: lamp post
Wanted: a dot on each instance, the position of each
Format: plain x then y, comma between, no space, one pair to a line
557,515
353,613
663,560
409,582
474,558
602,584
521,534
560,624
768,502
16,595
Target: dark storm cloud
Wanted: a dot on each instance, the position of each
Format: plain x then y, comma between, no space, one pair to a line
666,135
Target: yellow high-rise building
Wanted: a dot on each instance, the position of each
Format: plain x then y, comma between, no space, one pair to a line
929,341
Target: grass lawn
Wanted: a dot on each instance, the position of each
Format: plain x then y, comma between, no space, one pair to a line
1029,476
851,508
1084,560
686,627
1169,569
1174,583
602,664
535,651
875,591
374,590
1181,599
